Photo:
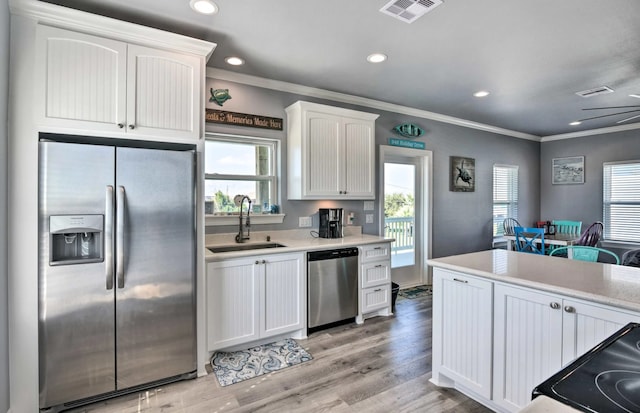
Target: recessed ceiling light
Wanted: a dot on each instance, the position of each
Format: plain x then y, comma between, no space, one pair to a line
204,6
233,60
376,58
576,123
481,94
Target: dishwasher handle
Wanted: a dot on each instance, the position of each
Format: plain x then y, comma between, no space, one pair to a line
332,254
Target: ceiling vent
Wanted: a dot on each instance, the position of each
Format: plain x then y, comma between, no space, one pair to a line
409,10
595,91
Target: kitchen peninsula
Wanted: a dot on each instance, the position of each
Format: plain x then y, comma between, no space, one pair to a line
505,321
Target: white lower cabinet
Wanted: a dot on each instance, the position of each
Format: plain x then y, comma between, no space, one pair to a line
496,341
374,281
253,298
462,337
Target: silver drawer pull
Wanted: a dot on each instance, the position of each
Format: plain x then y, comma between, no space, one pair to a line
461,281
554,305
377,248
569,309
377,290
378,266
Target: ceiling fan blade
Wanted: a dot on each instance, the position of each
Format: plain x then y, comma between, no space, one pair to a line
611,114
624,120
613,107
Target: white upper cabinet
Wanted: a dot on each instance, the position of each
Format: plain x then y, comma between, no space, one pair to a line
102,85
330,152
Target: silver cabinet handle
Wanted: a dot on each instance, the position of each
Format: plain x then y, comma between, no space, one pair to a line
569,309
378,266
377,248
120,236
461,281
377,290
121,125
257,262
554,305
108,237
132,126
264,261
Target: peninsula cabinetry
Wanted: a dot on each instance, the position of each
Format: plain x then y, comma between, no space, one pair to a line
330,152
462,340
496,341
537,333
253,298
91,83
375,281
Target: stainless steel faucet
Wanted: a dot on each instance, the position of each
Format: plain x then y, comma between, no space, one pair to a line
241,237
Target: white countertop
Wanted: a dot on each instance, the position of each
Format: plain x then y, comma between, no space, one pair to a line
609,284
294,241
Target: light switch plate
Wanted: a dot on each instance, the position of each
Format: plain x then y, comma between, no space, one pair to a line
304,222
369,218
368,205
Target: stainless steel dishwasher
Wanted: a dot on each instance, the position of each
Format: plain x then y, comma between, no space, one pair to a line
332,286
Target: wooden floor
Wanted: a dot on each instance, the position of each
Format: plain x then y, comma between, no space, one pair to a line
383,365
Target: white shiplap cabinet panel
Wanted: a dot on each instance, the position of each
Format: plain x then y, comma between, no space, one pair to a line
527,343
284,294
96,84
330,152
376,298
232,303
82,79
253,298
462,342
375,274
585,325
163,95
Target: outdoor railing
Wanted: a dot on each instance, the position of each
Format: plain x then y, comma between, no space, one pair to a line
400,228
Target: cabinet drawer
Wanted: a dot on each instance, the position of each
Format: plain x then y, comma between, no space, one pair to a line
375,298
375,273
375,252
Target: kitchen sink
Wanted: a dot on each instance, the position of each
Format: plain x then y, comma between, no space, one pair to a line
245,247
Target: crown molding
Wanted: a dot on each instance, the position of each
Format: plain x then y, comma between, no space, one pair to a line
591,132
80,21
360,101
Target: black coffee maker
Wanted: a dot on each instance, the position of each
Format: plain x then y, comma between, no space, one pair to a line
330,223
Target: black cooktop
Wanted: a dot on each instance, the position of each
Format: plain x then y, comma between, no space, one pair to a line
605,380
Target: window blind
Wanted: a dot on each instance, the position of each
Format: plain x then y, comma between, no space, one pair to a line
621,201
505,196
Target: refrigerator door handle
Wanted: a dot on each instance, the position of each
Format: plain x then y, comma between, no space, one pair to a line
108,237
120,237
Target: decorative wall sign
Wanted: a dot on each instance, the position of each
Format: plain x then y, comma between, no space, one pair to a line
462,174
568,170
219,96
242,119
406,144
409,130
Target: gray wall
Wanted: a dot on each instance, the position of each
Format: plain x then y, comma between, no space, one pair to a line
4,86
583,202
461,221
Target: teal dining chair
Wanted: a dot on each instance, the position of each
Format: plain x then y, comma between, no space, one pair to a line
584,253
530,240
568,227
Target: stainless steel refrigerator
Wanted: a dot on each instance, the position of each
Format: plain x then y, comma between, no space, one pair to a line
116,269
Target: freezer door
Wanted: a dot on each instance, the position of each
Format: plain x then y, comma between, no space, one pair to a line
155,265
76,311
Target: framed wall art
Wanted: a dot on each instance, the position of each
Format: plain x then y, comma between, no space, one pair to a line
462,174
569,170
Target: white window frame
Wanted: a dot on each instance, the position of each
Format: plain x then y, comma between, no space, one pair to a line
621,192
511,201
232,219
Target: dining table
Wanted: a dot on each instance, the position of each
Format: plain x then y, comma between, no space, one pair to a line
558,239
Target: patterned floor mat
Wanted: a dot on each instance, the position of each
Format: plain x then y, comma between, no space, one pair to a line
236,366
415,292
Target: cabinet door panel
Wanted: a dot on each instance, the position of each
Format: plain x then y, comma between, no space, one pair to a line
527,343
585,325
322,155
284,294
84,82
232,303
163,91
462,343
358,158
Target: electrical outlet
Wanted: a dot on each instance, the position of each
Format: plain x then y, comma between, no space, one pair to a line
369,218
368,205
304,222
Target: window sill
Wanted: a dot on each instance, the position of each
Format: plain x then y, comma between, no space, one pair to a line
257,219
